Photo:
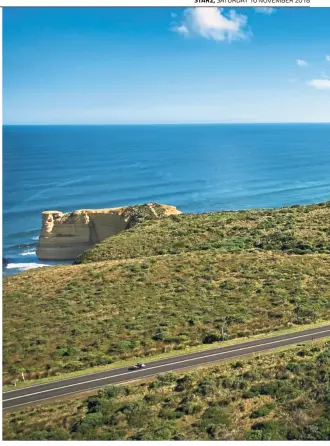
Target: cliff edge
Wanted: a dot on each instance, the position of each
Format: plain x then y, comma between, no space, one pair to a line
64,236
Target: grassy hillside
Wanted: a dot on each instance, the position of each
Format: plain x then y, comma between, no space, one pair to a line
297,229
73,317
279,396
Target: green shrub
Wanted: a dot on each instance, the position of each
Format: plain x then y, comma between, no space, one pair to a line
215,415
263,411
271,430
207,387
293,367
56,434
212,337
89,422
170,414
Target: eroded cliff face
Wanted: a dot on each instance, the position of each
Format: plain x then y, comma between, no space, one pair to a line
64,236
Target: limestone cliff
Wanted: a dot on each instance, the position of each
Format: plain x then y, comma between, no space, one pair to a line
64,236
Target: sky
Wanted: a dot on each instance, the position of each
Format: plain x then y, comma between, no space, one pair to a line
165,65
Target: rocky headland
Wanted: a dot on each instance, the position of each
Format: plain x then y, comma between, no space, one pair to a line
64,236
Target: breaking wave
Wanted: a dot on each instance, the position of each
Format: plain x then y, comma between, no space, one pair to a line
30,252
24,266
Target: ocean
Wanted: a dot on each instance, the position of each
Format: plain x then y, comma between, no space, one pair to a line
197,168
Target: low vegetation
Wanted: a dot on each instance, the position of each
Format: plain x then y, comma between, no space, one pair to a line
292,230
277,396
169,284
68,318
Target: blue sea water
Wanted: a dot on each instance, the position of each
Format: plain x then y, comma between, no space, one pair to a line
197,168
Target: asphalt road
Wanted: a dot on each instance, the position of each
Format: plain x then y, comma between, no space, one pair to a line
43,392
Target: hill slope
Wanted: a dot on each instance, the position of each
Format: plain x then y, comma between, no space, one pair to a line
296,229
167,284
73,317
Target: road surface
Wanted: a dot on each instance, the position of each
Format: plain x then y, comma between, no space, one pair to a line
43,392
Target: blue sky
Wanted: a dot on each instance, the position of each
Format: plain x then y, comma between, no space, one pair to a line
165,65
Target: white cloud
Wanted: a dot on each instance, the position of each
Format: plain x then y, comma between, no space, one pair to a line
301,63
265,11
320,84
182,29
211,23
327,58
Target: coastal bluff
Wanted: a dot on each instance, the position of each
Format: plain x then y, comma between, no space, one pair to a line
64,236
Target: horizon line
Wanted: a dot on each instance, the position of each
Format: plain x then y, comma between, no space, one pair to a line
165,123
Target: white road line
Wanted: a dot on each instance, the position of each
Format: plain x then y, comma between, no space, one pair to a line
172,357
163,365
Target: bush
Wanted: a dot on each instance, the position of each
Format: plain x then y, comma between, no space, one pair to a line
160,335
93,419
262,411
189,408
237,365
249,394
211,338
152,399
113,391
215,415
271,430
67,351
87,425
163,380
125,345
73,366
137,413
184,383
94,404
170,414
292,366
56,434
163,432
266,389
207,387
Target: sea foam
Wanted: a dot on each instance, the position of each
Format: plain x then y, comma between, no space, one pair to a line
24,266
30,252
